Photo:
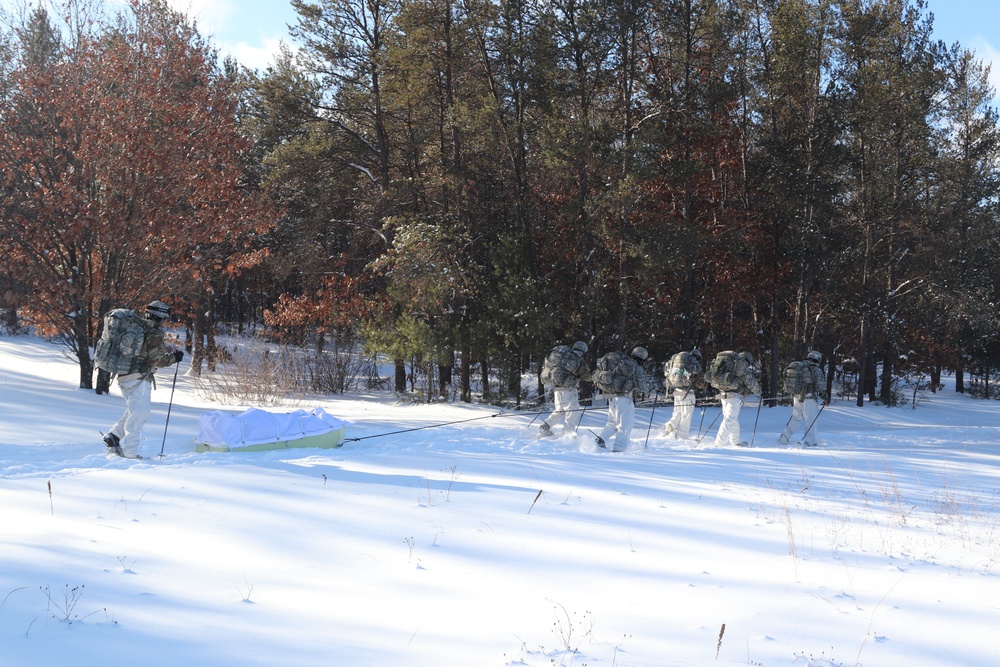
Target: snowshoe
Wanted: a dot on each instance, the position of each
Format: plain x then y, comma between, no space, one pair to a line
113,443
121,453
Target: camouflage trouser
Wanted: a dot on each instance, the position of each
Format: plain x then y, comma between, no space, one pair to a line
138,406
684,400
729,429
804,411
567,412
621,415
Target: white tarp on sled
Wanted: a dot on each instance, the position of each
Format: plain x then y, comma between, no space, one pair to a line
257,430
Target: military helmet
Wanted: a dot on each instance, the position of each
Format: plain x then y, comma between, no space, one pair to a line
640,353
580,347
158,310
747,357
815,356
696,353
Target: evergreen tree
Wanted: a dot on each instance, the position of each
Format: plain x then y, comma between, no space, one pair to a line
956,276
888,69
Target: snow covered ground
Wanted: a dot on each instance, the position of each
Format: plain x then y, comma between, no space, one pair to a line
474,544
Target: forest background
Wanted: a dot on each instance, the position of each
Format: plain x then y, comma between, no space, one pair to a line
459,185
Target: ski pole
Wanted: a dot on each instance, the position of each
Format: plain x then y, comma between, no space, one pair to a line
544,401
702,422
648,428
788,423
702,437
177,367
753,436
583,413
813,422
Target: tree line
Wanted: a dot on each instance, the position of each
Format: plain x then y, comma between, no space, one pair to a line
465,183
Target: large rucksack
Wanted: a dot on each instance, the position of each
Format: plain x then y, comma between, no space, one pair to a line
682,368
561,367
795,378
614,373
121,341
722,374
799,380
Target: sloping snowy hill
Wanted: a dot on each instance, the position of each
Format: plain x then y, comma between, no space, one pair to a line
434,547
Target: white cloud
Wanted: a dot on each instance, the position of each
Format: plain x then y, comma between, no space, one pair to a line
219,20
210,15
990,55
253,57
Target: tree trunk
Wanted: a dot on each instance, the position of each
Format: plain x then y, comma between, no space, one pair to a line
484,368
444,378
400,376
888,366
197,346
466,375
83,356
871,375
831,369
210,349
775,361
863,360
514,378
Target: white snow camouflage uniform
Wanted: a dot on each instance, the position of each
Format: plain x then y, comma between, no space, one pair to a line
732,400
564,379
621,408
805,406
682,372
136,389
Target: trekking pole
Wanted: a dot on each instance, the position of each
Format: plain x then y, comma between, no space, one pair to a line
541,412
702,437
649,428
533,419
583,413
177,367
786,425
813,422
753,436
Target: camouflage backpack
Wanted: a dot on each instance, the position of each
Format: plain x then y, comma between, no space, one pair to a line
722,374
561,367
614,373
121,341
681,368
795,378
799,380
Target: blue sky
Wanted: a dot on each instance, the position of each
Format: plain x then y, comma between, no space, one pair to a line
973,23
251,30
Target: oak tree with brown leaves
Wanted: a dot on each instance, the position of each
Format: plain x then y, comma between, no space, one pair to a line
121,170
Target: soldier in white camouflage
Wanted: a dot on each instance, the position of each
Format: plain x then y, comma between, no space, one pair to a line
624,377
805,381
683,376
125,437
732,375
562,371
